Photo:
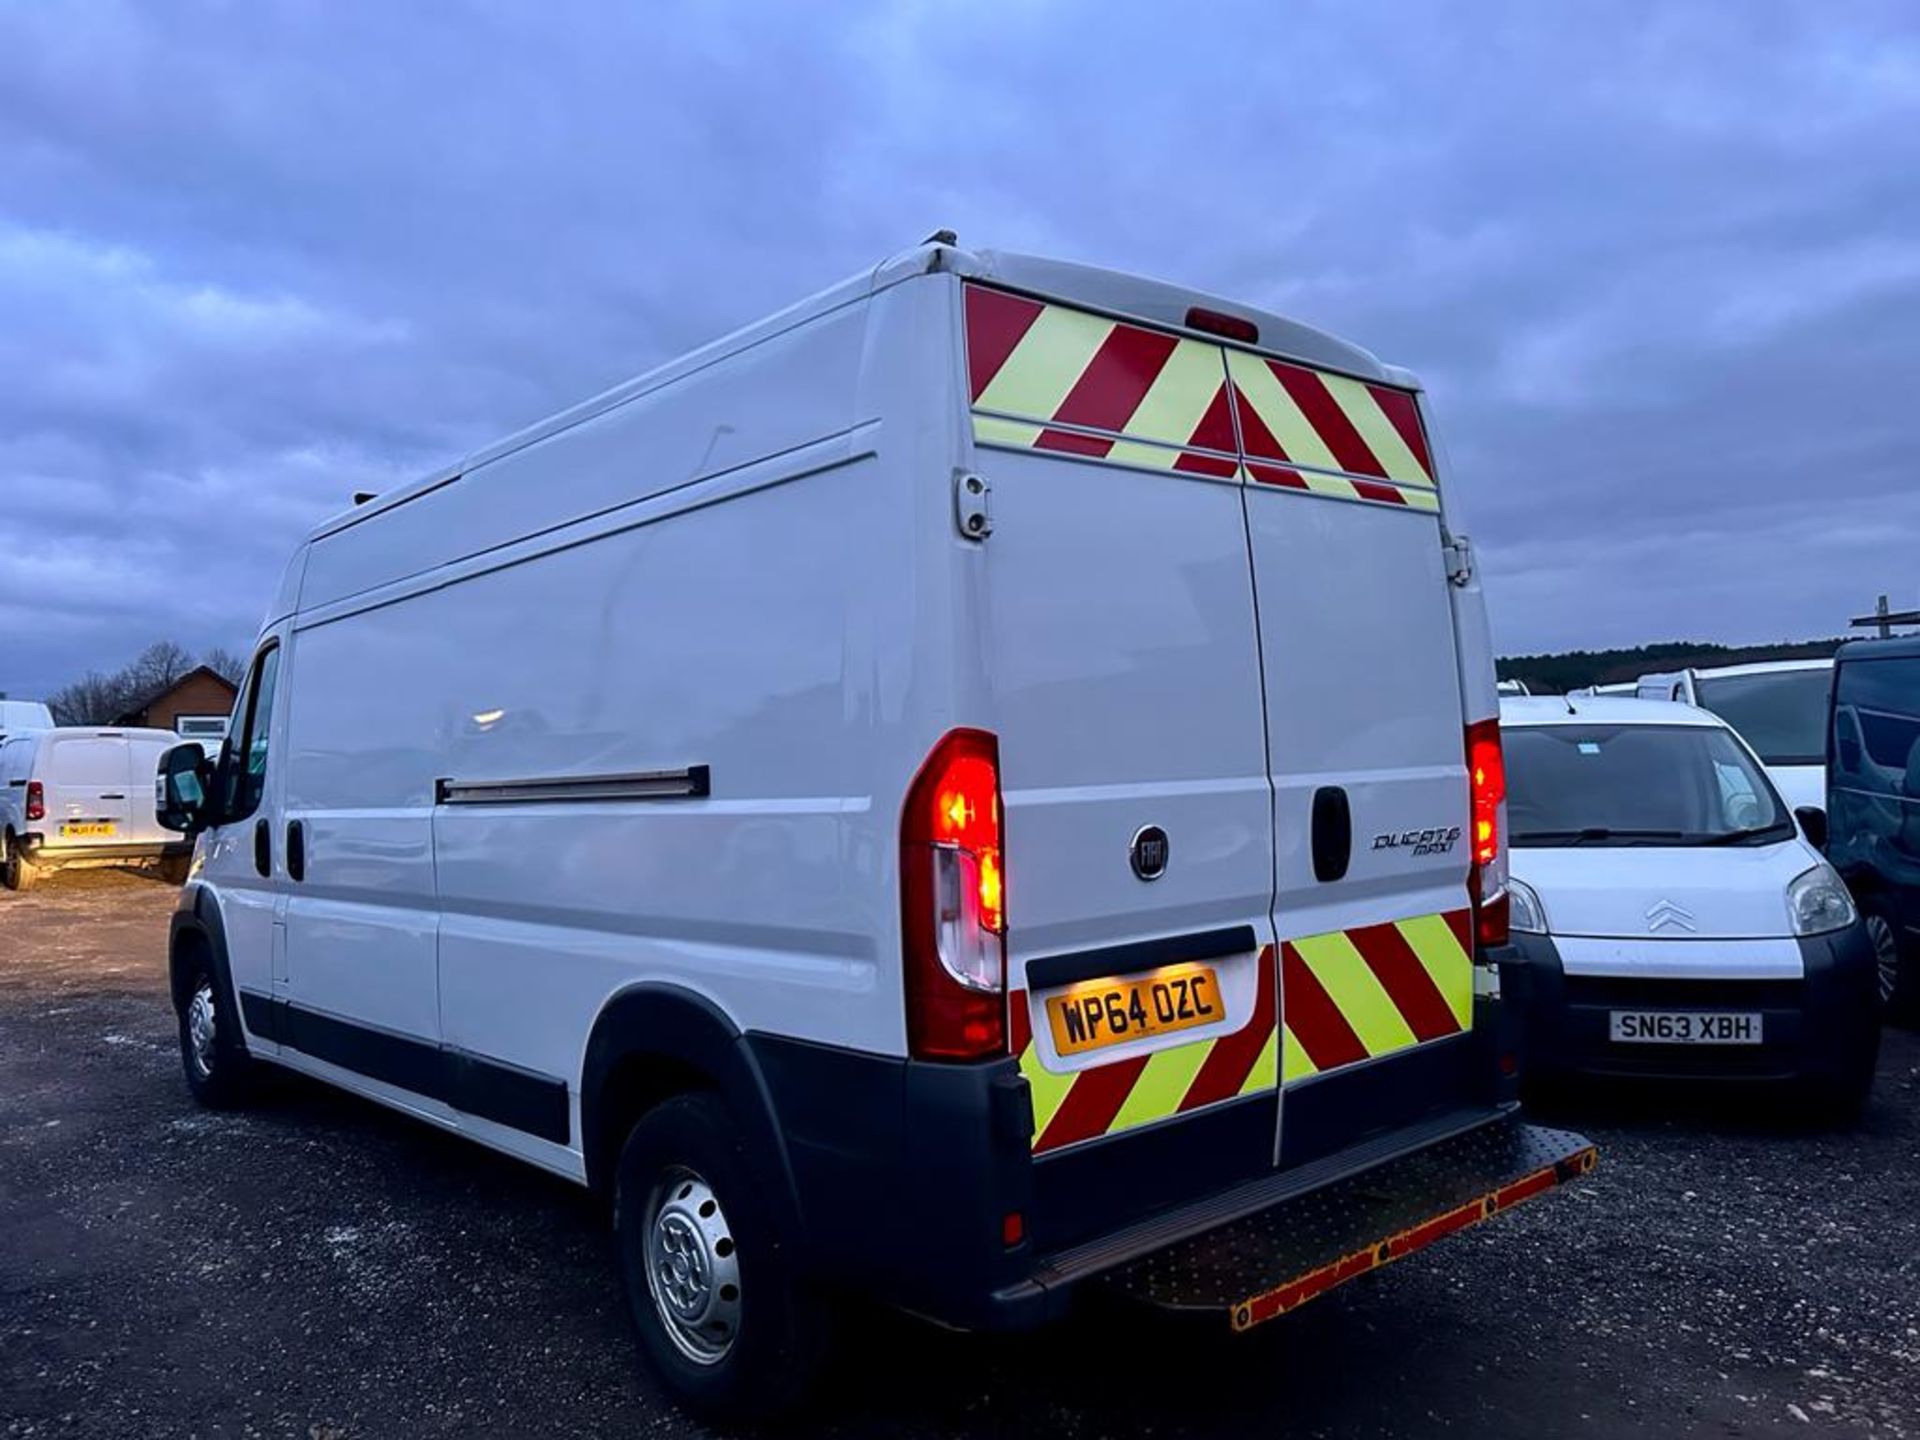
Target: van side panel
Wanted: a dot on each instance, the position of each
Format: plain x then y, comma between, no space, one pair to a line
360,927
694,643
757,626
776,396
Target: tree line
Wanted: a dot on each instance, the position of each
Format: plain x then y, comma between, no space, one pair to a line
98,699
1572,669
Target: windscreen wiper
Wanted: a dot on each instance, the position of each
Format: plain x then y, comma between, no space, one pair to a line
1780,830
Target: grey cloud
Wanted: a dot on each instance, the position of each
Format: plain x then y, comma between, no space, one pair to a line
1657,263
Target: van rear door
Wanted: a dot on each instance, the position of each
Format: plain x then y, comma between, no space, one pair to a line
1125,672
88,782
1366,746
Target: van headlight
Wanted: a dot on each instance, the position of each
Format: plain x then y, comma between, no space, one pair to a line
1525,911
1818,902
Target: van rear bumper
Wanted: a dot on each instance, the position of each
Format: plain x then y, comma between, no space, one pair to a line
43,851
915,1183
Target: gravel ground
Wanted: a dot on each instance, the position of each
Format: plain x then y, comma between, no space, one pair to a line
319,1268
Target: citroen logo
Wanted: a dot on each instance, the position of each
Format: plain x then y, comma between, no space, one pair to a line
1665,915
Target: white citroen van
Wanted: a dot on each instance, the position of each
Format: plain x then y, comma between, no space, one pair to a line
958,791
1674,921
77,796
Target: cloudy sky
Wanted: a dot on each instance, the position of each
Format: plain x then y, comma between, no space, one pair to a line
1659,264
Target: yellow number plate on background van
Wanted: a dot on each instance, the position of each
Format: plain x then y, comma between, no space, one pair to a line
76,829
1111,1012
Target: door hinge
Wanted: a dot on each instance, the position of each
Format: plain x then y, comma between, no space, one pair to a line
1459,552
972,504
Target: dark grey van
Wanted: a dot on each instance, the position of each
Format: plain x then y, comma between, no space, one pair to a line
1873,803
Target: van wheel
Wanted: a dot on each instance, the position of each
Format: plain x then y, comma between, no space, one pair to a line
173,869
219,1071
724,1319
16,871
1899,1001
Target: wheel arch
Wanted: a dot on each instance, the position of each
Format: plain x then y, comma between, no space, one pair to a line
651,1042
194,934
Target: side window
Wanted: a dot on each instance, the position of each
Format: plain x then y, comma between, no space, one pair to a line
1877,726
251,737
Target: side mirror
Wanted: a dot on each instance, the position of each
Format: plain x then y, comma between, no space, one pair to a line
1813,824
181,789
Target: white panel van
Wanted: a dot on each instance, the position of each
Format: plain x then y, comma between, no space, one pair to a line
1779,707
981,785
17,716
77,796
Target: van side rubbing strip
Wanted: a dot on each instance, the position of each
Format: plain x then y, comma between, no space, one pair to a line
505,1094
1051,970
692,783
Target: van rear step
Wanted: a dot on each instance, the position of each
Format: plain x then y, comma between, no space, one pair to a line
1267,1264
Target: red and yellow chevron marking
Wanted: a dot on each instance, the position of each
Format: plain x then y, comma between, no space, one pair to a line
1049,377
1123,1094
1353,995
1326,422
1161,400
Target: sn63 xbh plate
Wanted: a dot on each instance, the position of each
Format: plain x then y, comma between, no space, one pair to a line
1110,1012
1685,1027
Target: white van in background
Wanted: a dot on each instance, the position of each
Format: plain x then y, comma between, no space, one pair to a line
81,796
17,716
1676,924
1779,707
852,796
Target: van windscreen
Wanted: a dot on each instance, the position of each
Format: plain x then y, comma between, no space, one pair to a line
1636,785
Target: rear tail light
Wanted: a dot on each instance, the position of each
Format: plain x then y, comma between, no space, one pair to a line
36,801
1232,327
953,902
1487,787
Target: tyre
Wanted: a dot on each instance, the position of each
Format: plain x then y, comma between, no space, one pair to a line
1899,975
173,869
16,871
219,1072
723,1318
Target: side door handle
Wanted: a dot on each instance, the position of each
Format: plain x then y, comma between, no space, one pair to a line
297,849
1332,833
262,847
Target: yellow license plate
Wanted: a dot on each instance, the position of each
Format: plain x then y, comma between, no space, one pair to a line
1111,1012
76,829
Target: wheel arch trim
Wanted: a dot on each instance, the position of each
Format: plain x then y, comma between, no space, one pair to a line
672,1026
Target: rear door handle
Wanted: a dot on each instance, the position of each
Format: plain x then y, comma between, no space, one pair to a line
297,849
111,795
262,847
1332,833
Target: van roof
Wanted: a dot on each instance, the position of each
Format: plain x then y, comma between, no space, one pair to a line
1895,647
104,732
1522,710
1762,667
1091,287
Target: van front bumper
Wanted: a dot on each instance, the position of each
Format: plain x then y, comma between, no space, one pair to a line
1812,1028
